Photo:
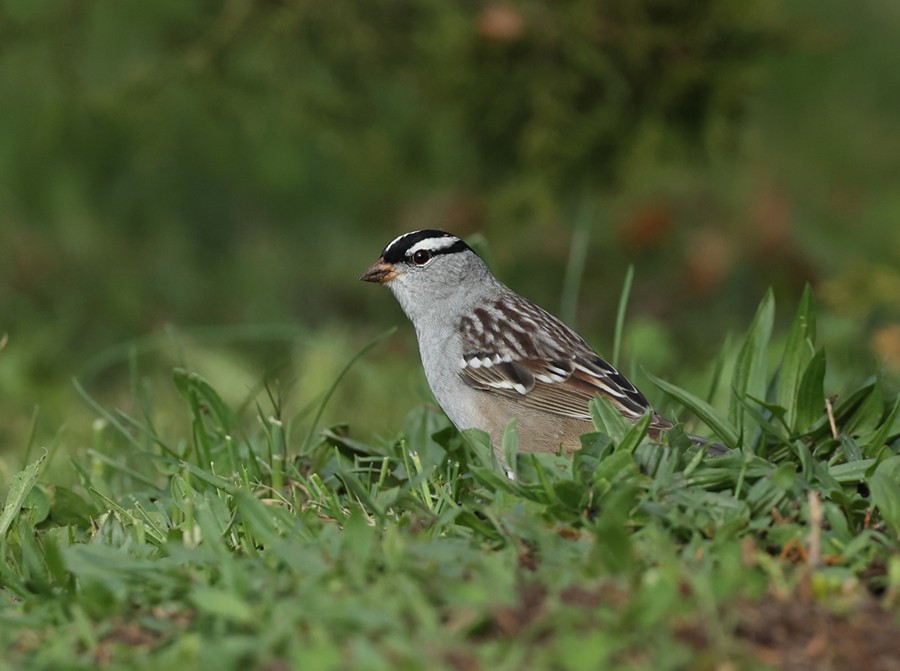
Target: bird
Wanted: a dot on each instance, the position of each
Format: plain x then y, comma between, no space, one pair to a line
491,356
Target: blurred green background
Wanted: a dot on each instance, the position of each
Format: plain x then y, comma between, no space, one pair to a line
201,183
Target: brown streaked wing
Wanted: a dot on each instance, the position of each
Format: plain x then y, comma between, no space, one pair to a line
549,387
540,362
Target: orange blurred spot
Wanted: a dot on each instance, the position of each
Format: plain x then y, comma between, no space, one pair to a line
885,342
772,217
647,228
709,258
501,22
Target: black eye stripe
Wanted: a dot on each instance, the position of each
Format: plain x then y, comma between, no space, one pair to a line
457,246
399,249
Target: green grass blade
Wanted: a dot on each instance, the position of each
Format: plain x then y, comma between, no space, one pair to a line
511,444
867,416
356,357
578,251
620,315
607,419
22,483
879,437
750,372
810,401
635,434
719,369
723,428
125,470
855,471
194,387
32,433
886,492
798,352
108,416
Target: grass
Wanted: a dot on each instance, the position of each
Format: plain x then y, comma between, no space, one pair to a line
250,540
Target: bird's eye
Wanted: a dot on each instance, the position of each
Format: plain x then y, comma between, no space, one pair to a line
421,257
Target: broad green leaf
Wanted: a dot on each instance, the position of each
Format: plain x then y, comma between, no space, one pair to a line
719,368
419,427
798,352
484,465
38,503
215,424
842,411
804,456
359,537
480,442
205,400
569,494
257,518
53,557
615,552
67,507
635,434
34,569
607,419
723,428
19,489
855,471
214,522
361,492
857,545
510,444
867,416
877,439
594,447
750,371
848,404
220,603
884,485
850,448
615,466
350,447
752,409
811,394
204,475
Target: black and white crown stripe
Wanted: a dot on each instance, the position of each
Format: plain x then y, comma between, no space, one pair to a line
434,241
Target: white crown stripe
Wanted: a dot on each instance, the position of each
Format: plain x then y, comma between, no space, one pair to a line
433,244
396,240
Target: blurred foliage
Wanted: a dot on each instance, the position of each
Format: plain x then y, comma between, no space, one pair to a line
233,163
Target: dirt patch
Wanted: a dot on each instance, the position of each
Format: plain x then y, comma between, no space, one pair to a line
802,635
797,634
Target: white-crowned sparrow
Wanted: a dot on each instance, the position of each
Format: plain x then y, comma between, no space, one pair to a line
491,355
